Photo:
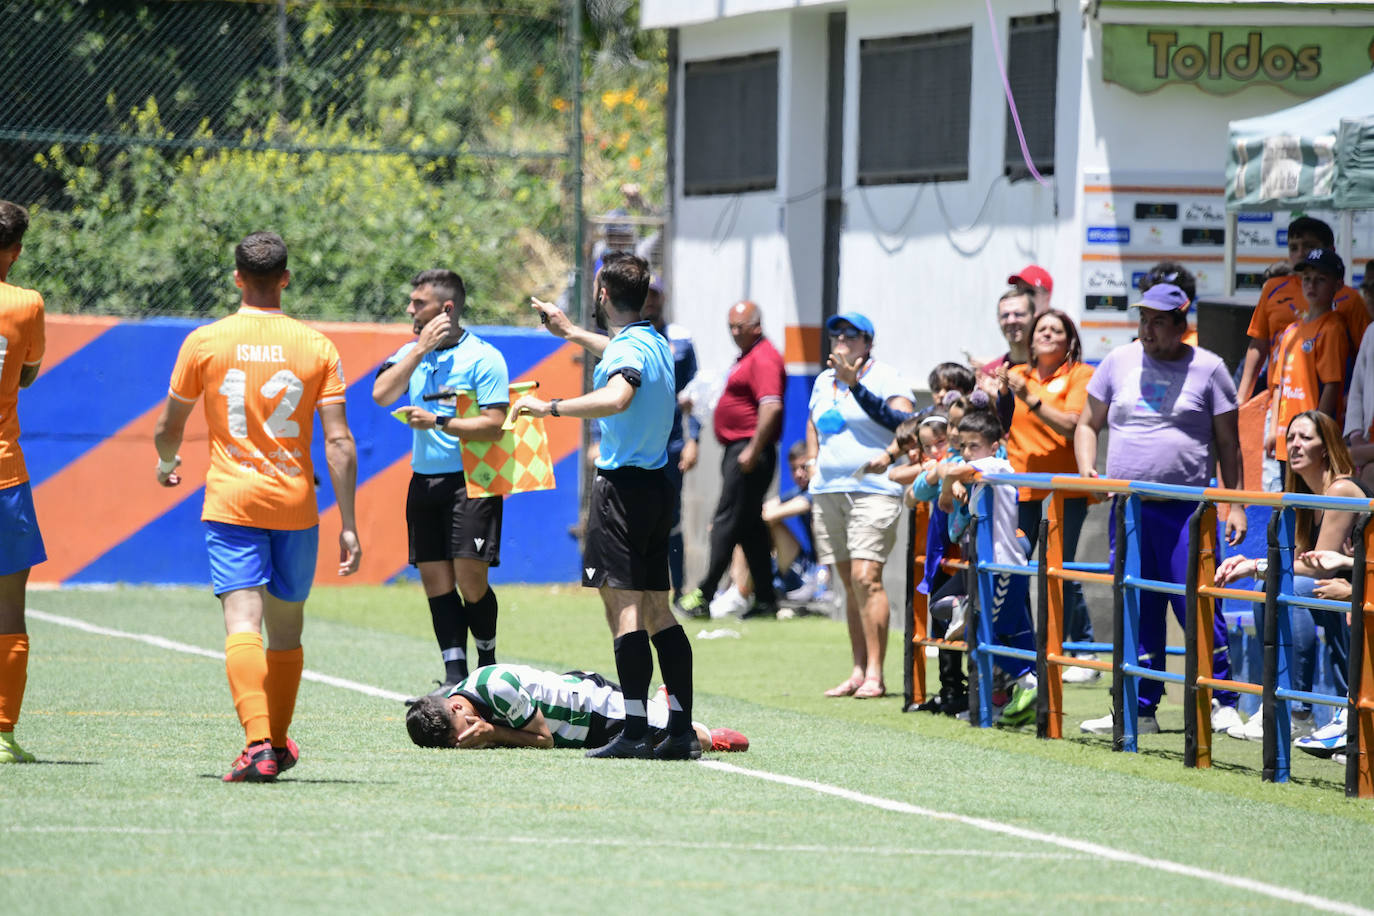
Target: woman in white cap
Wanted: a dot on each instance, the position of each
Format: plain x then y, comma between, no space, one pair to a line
854,512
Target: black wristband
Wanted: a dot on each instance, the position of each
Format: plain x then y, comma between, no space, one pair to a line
553,407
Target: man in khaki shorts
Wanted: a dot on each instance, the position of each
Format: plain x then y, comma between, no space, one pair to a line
854,512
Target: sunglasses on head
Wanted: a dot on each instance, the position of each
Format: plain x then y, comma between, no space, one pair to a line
849,332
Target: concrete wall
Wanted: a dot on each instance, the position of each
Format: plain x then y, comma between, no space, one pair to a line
87,438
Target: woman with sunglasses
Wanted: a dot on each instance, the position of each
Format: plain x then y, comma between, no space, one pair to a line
854,511
1050,392
1318,462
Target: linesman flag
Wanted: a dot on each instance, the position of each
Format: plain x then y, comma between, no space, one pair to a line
518,462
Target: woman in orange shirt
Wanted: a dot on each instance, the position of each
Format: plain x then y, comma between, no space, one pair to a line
1050,393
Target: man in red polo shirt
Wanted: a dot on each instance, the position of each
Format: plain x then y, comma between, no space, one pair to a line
748,422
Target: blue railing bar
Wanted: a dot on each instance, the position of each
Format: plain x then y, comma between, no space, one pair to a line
1011,569
1088,647
1303,696
1155,585
1166,490
1007,651
1151,674
1089,567
1318,604
1194,494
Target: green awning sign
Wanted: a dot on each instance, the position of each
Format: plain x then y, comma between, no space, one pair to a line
1226,59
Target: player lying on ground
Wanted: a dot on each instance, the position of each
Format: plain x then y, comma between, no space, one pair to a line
520,706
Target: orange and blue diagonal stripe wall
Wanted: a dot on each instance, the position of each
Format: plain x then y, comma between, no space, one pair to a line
88,441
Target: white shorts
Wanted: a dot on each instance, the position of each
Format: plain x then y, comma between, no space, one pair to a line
857,526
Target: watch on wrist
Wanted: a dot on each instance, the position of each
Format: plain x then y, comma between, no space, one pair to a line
553,407
439,422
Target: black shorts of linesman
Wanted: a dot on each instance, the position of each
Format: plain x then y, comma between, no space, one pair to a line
454,539
630,516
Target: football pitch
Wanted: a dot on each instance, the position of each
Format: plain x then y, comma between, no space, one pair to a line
839,805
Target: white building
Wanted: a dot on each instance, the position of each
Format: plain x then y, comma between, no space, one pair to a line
835,156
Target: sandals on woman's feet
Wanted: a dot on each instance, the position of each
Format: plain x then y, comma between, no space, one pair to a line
871,689
845,688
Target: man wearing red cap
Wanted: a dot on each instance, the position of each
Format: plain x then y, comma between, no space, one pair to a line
1036,282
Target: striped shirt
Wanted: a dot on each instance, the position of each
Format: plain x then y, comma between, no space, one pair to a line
21,344
262,374
510,695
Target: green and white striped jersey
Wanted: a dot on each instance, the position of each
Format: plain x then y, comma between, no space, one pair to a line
512,693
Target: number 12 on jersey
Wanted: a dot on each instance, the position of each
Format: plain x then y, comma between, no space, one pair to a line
279,423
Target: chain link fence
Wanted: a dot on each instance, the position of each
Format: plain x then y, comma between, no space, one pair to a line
378,138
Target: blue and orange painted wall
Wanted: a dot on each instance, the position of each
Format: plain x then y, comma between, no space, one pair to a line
87,438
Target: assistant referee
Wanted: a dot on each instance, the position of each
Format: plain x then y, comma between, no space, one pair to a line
631,512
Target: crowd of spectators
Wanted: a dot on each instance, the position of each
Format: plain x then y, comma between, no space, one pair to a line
1171,408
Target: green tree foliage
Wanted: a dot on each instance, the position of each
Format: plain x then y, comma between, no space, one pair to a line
377,142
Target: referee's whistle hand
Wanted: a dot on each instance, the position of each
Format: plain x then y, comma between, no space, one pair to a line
552,317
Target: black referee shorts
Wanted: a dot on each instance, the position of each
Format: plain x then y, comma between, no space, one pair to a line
628,524
445,524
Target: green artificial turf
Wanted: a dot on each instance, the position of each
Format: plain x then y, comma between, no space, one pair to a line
125,811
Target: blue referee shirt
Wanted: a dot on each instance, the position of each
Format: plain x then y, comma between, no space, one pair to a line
471,364
638,436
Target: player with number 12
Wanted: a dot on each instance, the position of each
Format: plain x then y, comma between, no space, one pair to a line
263,375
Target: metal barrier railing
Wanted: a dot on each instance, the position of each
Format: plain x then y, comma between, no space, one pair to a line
1051,655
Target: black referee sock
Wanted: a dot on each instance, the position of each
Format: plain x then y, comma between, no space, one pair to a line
634,666
482,620
451,631
675,662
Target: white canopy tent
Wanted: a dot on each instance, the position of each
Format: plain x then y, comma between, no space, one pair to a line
1318,155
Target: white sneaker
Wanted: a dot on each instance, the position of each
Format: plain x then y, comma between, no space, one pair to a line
1225,718
1300,726
1144,725
1338,758
955,630
1327,740
1081,675
1250,731
729,603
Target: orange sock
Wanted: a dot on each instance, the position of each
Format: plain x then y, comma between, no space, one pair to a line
246,664
283,682
14,674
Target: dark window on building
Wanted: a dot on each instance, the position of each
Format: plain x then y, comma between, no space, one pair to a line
1033,71
730,124
914,107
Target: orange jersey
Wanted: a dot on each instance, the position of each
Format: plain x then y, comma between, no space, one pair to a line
1309,354
21,344
1032,446
1282,303
262,374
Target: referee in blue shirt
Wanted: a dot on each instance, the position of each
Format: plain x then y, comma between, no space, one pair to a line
454,539
631,512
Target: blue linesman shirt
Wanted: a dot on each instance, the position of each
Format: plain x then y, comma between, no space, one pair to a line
684,369
471,364
638,436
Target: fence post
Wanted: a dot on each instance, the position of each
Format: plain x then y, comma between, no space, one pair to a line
1359,780
1278,646
978,630
1128,630
914,680
1052,596
1118,616
1199,638
1042,636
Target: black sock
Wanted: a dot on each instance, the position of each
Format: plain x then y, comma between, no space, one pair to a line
451,631
675,662
634,666
482,620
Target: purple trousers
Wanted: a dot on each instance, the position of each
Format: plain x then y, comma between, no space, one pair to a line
1164,556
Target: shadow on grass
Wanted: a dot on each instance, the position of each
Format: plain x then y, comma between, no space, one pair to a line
291,780
65,763
1176,756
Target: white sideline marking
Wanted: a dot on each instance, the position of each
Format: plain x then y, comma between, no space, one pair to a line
1080,846
428,837
164,643
1021,833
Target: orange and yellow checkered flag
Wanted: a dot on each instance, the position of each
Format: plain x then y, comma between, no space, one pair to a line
518,462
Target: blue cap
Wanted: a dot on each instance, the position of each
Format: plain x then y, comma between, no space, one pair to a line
1323,259
859,321
1164,297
